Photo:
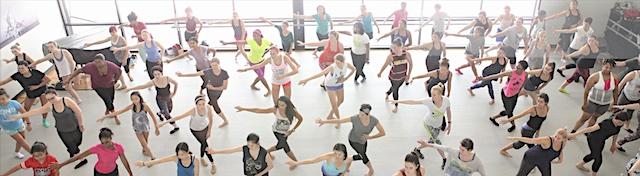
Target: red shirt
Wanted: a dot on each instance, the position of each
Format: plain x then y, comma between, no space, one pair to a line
399,15
102,81
137,28
41,169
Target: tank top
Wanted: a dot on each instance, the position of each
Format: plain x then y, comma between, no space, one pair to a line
336,73
185,170
199,122
537,52
435,80
484,25
598,94
24,58
152,52
191,24
589,60
366,23
532,83
202,61
62,64
494,68
571,19
631,90
163,91
535,121
237,30
397,34
279,70
253,166
538,155
435,51
66,120
327,54
399,66
118,44
514,84
139,120
282,123
330,169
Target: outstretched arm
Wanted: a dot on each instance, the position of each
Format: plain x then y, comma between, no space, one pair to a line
173,19
585,130
468,26
499,75
529,110
322,73
44,109
410,102
334,121
557,15
318,43
180,74
143,86
116,113
256,110
97,42
317,159
181,116
225,151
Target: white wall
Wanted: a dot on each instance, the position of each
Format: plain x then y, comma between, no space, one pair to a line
50,28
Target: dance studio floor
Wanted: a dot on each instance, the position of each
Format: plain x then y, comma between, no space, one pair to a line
386,153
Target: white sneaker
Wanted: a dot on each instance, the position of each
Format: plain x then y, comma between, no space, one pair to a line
19,155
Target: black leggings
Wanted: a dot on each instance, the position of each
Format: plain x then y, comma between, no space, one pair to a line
524,133
201,136
71,140
596,147
282,142
489,85
150,66
106,94
165,104
361,149
509,104
204,80
112,173
213,100
395,88
526,167
358,62
432,63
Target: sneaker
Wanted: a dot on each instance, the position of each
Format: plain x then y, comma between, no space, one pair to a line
513,127
563,90
19,155
576,80
363,79
80,164
160,116
458,71
174,130
494,121
628,130
622,149
444,161
45,123
560,72
417,152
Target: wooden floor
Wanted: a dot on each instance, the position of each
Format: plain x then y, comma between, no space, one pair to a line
387,153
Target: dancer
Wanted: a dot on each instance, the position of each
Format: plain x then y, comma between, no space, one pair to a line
153,49
34,83
16,50
499,62
538,54
438,18
597,135
40,162
324,22
63,63
537,115
255,158
335,163
200,124
366,19
440,76
437,49
107,152
571,19
537,80
473,50
258,47
216,80
201,55
463,161
628,99
510,92
363,124
480,21
401,32
512,37
538,24
137,27
506,20
633,166
545,151
581,37
398,15
122,56
284,111
333,47
629,65
587,56
599,95
439,106
191,23
14,127
359,51
139,120
411,167
400,72
282,68
69,121
239,34
286,38
104,75
186,164
164,98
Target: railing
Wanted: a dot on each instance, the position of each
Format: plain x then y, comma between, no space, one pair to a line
614,27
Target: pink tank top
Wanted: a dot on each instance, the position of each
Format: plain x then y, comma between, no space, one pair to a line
514,84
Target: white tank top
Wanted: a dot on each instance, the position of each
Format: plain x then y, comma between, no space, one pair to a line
62,65
282,123
199,122
598,95
279,70
631,90
336,73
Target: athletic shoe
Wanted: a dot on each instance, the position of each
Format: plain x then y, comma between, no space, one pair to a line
444,161
458,71
174,130
563,90
417,152
628,130
513,127
160,116
45,123
494,121
80,164
19,155
576,80
622,149
560,72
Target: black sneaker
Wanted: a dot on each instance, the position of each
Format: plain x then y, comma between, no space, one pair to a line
560,72
444,161
628,130
576,80
174,130
80,164
513,127
323,87
494,121
160,116
622,149
417,152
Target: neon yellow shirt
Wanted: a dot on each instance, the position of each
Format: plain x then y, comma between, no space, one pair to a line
255,55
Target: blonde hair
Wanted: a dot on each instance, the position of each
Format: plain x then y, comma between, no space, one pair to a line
16,46
438,87
339,57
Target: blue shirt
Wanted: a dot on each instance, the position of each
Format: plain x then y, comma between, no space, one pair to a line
366,23
12,108
323,24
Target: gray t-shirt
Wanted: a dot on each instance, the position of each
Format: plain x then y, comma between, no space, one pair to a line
202,61
457,167
438,21
475,43
359,129
513,37
629,66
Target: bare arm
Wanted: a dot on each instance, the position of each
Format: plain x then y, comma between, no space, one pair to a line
175,86
180,74
334,121
316,159
468,26
5,81
44,109
257,66
294,68
143,86
225,151
564,31
318,43
591,81
221,88
153,117
411,102
269,165
387,34
428,74
125,162
118,112
159,161
162,49
257,110
529,110
585,130
173,19
97,42
322,73
424,46
84,154
557,15
178,57
540,141
45,58
499,75
76,110
181,116
384,66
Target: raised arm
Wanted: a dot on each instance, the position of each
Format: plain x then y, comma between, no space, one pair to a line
143,86
45,58
179,117
387,34
557,15
44,109
97,42
180,74
225,151
468,26
269,110
499,75
267,21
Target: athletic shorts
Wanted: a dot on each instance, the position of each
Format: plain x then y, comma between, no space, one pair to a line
11,132
259,71
334,87
288,84
596,109
471,54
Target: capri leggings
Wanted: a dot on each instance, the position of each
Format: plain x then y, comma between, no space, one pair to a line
282,142
213,100
201,136
596,147
361,149
165,104
527,166
525,133
395,89
488,84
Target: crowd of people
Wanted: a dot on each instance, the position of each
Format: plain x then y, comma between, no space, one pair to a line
527,76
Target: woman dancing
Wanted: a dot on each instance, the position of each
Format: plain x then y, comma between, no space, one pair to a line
537,115
164,95
336,163
400,72
34,83
282,68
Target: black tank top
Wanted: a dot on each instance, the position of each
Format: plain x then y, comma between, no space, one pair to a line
433,52
435,80
164,91
535,121
533,82
254,166
24,58
484,26
589,60
538,155
571,20
66,120
494,68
